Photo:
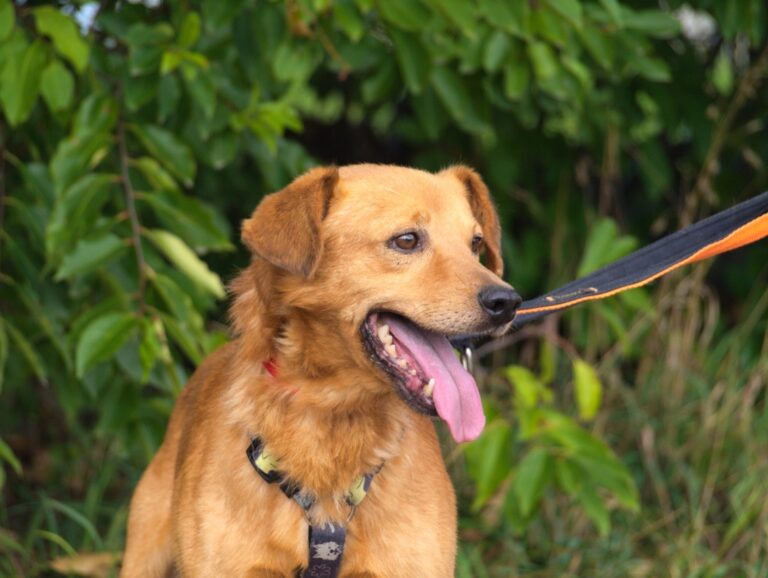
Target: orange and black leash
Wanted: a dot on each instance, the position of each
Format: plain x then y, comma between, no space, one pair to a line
735,227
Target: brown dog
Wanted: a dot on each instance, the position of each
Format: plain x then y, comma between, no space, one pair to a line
358,275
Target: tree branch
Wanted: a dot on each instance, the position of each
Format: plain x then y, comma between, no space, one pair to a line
130,201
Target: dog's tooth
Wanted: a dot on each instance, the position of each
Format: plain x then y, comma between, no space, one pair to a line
412,372
383,332
390,349
402,363
429,388
386,339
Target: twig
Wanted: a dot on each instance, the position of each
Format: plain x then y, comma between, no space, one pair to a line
130,201
747,89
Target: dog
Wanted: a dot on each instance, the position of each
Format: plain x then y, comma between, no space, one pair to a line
359,276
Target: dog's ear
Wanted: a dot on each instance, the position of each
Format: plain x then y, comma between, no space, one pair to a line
485,213
285,227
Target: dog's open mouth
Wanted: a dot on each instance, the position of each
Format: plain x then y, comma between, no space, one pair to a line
426,372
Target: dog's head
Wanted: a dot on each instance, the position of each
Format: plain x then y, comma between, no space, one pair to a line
387,262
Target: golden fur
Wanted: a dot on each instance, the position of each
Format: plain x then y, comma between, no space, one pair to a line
321,264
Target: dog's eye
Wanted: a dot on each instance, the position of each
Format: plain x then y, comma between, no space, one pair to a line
477,244
406,242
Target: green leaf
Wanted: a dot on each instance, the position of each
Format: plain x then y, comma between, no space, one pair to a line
183,339
513,17
139,91
516,80
7,456
28,352
413,59
599,45
589,389
653,22
614,11
527,386
65,35
57,86
455,95
201,88
294,62
489,460
543,59
595,509
77,155
78,518
531,479
7,18
569,476
579,71
190,219
601,236
169,150
150,347
75,211
89,255
410,15
157,177
496,49
97,114
20,83
568,9
222,149
101,339
187,261
653,69
547,25
460,12
722,73
168,94
348,19
189,31
147,46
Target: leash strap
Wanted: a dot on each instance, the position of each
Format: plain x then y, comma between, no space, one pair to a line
740,225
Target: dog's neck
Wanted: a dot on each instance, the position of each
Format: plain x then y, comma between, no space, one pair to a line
327,423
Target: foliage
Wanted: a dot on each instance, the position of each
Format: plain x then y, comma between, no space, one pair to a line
131,145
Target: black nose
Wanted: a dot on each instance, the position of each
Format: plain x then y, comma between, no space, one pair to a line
499,303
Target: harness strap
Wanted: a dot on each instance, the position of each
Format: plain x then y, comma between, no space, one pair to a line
735,227
326,542
326,547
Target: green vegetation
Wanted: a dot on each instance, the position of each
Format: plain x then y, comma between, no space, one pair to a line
626,438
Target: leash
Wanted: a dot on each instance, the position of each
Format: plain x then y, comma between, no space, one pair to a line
730,229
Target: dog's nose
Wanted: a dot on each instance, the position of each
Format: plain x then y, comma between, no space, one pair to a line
500,303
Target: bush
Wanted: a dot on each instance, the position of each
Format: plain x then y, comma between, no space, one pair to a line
135,136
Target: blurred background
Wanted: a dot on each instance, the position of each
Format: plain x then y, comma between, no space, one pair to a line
627,438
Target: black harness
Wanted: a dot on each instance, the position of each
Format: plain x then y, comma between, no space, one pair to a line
326,541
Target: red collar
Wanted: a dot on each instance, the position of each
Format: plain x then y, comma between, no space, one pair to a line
270,366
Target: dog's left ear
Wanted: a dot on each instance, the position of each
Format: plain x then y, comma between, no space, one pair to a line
485,213
285,227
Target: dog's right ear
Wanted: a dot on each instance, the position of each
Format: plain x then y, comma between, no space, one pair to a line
285,227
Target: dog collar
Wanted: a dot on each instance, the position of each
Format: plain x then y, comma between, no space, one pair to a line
326,541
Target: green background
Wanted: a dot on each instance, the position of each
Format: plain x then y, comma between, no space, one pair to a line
625,438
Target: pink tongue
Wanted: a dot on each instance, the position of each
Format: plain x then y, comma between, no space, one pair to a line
456,397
